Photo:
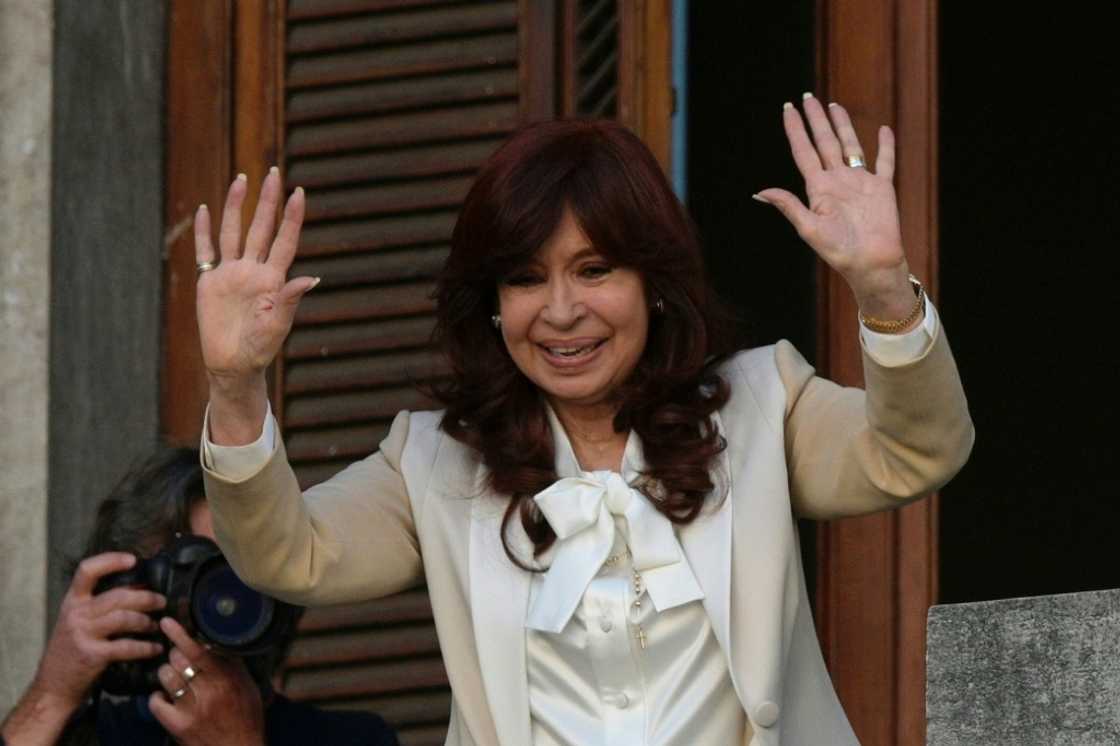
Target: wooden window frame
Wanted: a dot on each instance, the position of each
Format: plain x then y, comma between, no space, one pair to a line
877,576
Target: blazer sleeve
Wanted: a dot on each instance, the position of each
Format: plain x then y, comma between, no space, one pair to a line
854,451
348,539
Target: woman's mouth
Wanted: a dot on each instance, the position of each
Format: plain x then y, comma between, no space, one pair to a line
573,352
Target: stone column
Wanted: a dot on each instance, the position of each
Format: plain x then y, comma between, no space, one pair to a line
25,167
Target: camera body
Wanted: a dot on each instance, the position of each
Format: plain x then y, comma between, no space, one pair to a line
209,600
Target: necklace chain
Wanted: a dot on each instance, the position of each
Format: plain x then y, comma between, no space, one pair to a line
639,591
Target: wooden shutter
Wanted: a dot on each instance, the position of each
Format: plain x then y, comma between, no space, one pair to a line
382,110
591,58
389,108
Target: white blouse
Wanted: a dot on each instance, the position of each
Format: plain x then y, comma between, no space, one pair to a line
623,672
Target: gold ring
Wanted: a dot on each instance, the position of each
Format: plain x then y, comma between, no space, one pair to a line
178,693
204,267
855,161
189,673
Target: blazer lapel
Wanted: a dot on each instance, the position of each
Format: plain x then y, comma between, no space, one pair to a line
707,544
499,600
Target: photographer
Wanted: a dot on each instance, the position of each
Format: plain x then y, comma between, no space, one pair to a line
205,698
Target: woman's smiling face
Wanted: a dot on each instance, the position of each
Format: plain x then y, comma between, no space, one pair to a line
574,324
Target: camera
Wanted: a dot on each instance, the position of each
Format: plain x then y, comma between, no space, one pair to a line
205,596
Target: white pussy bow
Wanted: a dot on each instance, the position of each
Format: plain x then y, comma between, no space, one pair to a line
580,511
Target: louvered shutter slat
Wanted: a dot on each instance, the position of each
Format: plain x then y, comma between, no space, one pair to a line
314,684
437,56
365,303
395,28
364,371
364,646
319,411
334,443
394,164
352,338
388,96
365,235
409,606
303,10
392,198
410,264
403,129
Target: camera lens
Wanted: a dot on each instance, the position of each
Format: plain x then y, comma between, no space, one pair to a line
226,611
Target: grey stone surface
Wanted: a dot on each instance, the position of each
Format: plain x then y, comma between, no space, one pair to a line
25,100
1042,670
106,243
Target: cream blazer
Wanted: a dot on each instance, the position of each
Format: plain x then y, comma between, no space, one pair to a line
419,508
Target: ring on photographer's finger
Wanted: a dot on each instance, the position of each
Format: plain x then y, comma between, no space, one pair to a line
178,693
189,673
855,161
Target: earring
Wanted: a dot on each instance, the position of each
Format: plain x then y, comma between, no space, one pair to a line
659,305
496,320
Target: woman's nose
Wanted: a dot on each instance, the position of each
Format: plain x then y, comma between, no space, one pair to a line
563,306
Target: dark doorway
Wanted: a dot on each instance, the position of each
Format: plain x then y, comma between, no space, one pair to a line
1029,165
745,60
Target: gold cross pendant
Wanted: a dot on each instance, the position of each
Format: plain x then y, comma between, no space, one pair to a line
641,637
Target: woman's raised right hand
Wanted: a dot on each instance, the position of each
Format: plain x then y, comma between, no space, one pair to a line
245,304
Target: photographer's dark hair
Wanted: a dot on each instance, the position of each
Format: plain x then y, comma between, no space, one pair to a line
149,505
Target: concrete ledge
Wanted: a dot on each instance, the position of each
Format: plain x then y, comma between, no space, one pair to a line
1040,670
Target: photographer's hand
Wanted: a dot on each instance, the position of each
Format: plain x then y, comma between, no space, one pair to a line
208,700
86,639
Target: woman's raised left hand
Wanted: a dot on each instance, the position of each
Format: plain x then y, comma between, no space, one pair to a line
851,220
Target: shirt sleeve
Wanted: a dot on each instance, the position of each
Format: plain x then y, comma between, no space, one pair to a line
237,463
896,350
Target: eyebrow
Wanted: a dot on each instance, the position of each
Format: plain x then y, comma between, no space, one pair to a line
588,249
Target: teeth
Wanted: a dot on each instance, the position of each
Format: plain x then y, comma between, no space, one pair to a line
569,351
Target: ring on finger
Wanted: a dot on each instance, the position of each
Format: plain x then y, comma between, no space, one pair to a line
189,673
178,693
204,267
855,161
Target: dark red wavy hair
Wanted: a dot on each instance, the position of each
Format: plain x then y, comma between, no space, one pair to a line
617,192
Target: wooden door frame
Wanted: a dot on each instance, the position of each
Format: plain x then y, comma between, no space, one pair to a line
877,576
224,93
199,167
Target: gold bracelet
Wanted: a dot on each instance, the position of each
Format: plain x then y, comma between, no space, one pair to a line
893,327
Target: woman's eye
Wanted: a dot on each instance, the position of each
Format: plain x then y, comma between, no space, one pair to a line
595,271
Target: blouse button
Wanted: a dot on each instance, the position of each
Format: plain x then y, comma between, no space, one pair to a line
605,624
621,701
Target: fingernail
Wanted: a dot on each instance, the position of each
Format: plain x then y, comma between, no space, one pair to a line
300,190
832,105
203,207
760,198
274,170
313,284
806,95
242,177
787,105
